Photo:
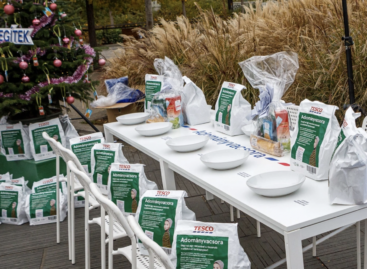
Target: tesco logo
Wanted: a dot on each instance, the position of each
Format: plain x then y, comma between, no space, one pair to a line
106,146
9,127
43,124
345,124
85,138
9,187
204,229
316,110
124,166
163,193
154,77
231,85
47,181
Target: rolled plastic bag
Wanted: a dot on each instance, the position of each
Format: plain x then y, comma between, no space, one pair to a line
272,75
194,107
119,93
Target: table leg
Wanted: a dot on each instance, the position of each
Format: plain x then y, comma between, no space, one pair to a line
209,196
108,135
168,177
293,249
231,212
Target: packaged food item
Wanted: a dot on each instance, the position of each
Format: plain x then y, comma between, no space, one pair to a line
194,107
207,245
40,148
348,167
272,75
232,111
82,147
126,184
266,145
12,200
314,139
15,142
158,213
103,156
153,84
41,207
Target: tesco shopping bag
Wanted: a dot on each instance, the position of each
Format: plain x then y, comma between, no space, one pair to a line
194,107
15,142
41,207
40,148
5,177
49,184
207,245
158,213
232,111
20,182
103,156
153,84
126,184
82,147
12,200
314,139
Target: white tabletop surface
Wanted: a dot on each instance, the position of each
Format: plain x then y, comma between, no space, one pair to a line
308,205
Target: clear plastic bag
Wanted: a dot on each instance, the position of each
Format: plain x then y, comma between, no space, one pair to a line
119,93
272,75
166,105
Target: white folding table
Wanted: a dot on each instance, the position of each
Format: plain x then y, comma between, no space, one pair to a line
300,215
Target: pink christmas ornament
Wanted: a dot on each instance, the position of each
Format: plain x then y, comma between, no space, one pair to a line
78,32
23,65
53,6
66,40
1,79
70,100
36,22
25,78
101,62
57,63
9,9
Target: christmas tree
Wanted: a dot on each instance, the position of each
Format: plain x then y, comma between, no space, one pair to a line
34,78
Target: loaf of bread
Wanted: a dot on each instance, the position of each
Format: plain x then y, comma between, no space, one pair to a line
267,146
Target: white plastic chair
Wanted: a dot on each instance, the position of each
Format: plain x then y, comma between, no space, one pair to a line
53,145
115,215
153,248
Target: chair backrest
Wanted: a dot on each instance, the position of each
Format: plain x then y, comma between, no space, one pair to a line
293,115
111,209
83,178
68,155
364,124
52,142
149,243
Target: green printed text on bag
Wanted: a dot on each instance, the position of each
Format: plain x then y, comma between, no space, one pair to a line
83,152
125,190
12,142
151,88
311,132
9,204
43,204
157,219
201,252
40,144
223,114
103,161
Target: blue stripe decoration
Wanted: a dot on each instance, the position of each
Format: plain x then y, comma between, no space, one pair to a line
271,159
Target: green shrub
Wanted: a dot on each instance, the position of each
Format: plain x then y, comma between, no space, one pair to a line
108,36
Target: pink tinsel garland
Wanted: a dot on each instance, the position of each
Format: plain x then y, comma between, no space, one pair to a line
44,20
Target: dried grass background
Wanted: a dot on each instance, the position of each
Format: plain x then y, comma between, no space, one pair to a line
208,52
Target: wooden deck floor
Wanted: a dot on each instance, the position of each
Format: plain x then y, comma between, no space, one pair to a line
35,246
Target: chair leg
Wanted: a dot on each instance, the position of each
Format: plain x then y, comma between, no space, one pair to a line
314,246
57,199
72,220
231,212
238,214
258,228
86,227
365,244
133,253
110,242
69,211
103,238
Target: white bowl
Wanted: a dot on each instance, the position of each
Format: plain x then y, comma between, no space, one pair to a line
152,129
187,143
248,129
225,159
133,118
277,183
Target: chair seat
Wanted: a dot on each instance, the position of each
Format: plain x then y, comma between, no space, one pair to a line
118,231
92,202
142,260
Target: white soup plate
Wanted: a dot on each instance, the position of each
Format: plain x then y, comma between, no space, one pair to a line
225,159
277,183
153,129
187,143
133,118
